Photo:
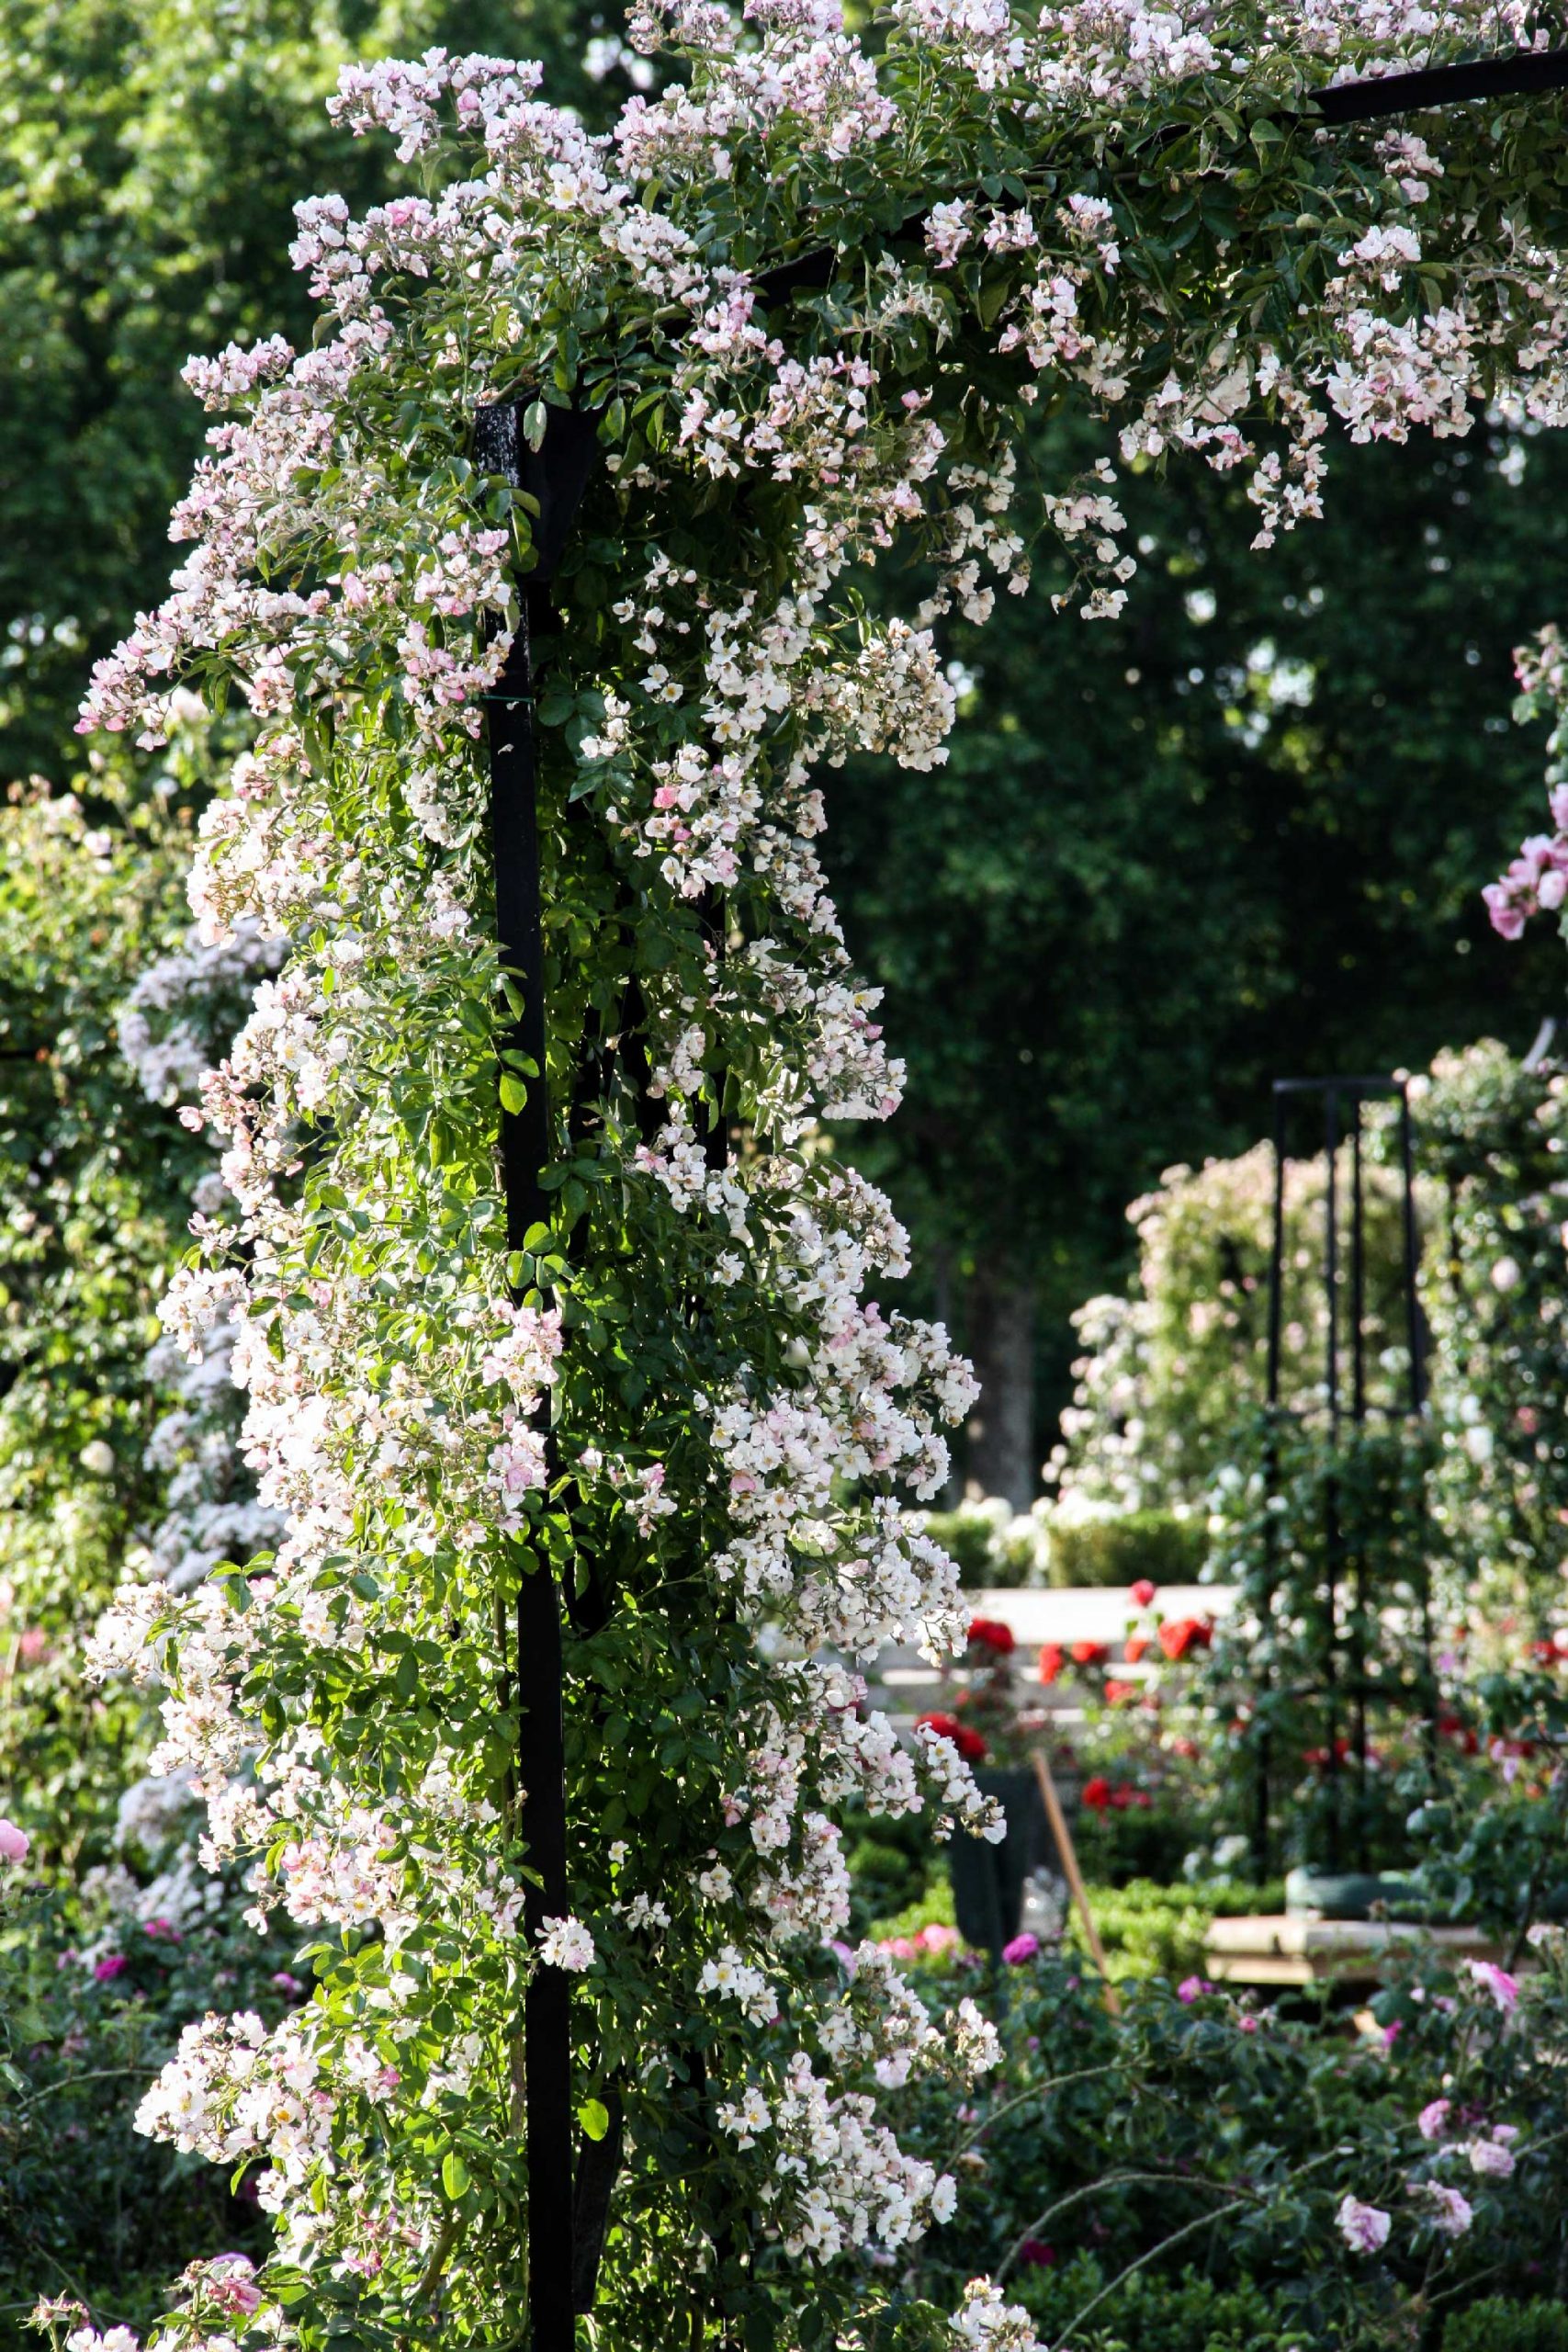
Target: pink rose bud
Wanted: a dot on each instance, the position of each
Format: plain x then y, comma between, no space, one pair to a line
14,1842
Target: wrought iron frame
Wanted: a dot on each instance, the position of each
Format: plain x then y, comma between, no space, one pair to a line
565,2224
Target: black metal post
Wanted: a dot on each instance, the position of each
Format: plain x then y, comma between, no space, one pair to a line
1414,1338
1357,1659
1332,1532
1263,1753
1277,1286
556,478
1416,1346
1358,1272
1331,1251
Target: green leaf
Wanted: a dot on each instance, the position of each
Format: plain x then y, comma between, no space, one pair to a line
454,2174
513,1093
594,2118
534,417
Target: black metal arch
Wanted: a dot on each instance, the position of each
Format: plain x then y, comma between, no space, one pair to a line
566,2211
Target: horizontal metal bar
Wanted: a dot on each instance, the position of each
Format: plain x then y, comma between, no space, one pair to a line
1338,1085
1518,74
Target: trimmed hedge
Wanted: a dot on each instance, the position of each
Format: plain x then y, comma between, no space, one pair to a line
1153,2314
1152,1544
1498,2326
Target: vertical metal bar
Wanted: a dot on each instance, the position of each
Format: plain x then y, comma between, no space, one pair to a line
1331,1495
1331,1251
1276,1256
555,476
1358,1648
541,1748
1263,1750
1415,1345
1357,1270
1412,1257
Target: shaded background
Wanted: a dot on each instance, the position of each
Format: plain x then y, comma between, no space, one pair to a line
1238,833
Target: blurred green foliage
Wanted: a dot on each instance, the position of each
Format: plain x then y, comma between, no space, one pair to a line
151,154
1498,2326
94,1993
1237,833
1151,2314
1155,1544
95,1194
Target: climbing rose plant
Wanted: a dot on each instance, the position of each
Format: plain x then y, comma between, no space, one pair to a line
1172,1367
1112,202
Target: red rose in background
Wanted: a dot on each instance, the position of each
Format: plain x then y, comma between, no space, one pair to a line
1454,1727
1097,1793
990,1633
1137,1644
1117,1693
969,1744
1143,1592
1179,1635
1050,1659
1090,1653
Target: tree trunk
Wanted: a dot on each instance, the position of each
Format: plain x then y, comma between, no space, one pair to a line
999,1331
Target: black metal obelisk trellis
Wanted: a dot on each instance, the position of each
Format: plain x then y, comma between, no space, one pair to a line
1346,1400
555,476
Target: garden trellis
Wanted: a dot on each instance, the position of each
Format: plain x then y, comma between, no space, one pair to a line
649,1369
1343,1677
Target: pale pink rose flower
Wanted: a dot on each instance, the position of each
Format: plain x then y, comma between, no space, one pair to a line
1489,1978
1364,2228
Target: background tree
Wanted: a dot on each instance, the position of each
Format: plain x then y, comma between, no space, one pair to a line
149,158
1237,833
1134,895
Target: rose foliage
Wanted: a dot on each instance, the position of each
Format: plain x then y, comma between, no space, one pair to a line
679,1397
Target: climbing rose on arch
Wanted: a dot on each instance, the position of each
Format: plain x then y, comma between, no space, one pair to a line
738,1432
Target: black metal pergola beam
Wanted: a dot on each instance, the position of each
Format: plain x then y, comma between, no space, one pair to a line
1522,73
1516,74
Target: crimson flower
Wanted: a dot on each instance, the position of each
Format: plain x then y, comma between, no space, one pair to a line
1179,1635
1090,1653
990,1633
1097,1792
1143,1592
1052,1656
969,1744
